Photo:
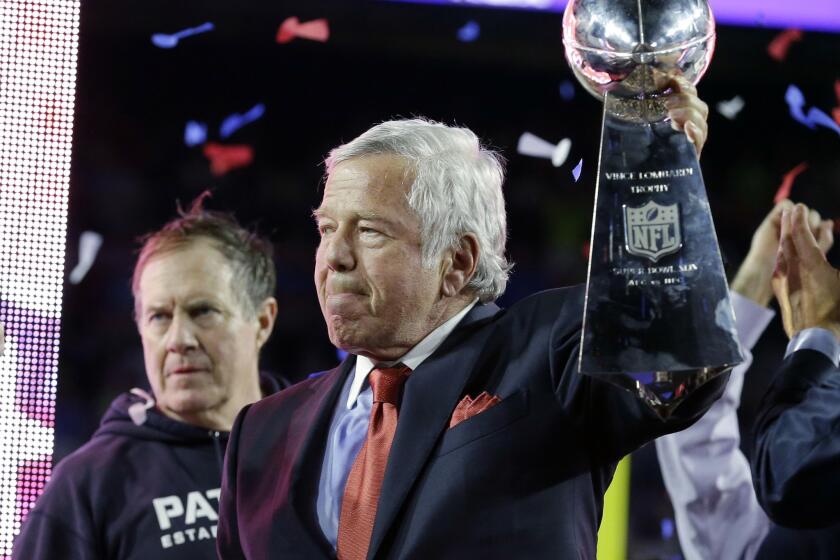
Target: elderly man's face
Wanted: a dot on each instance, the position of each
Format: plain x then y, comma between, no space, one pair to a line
200,342
377,298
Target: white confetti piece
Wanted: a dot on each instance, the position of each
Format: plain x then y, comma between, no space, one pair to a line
89,244
533,146
731,108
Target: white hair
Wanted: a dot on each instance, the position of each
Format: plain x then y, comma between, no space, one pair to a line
457,189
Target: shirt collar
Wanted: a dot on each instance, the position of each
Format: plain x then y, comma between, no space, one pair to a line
413,358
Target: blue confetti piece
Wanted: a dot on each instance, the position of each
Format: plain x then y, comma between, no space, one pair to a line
167,41
340,354
567,90
815,117
667,527
819,118
794,96
236,121
469,32
643,377
577,170
796,102
195,133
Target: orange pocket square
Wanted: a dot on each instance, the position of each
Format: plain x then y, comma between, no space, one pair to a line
469,407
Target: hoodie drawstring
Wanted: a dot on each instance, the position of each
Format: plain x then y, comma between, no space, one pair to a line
220,459
137,411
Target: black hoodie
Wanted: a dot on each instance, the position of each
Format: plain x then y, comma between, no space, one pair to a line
133,491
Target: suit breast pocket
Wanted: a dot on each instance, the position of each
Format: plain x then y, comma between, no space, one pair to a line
495,418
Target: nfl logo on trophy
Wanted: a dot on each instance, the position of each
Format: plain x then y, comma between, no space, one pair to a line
652,230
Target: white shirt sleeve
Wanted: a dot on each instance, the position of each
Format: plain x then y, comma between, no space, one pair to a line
817,339
707,477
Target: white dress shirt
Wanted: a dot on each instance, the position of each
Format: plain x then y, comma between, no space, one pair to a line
707,477
821,340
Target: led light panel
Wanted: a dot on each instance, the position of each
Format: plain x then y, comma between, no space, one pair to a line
38,46
817,15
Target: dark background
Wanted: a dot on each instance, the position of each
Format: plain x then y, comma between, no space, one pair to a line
383,61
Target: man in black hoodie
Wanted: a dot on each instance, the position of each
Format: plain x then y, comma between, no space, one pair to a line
147,484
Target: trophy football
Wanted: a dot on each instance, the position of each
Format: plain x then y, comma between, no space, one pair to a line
657,320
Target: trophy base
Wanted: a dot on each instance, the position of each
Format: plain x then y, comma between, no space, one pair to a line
663,391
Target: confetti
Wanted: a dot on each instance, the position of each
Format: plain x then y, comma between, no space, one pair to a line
796,102
534,146
89,244
787,182
224,158
195,133
586,250
469,32
667,528
778,47
315,30
815,117
731,108
820,118
567,90
560,154
836,111
236,121
166,41
576,171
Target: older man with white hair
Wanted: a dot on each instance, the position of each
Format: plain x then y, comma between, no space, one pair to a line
454,429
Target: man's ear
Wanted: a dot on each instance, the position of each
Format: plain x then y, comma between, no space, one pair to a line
458,266
266,315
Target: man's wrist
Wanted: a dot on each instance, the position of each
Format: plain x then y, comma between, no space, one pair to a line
753,281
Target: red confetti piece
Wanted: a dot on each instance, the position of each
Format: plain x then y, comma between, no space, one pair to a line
836,111
778,47
315,30
227,158
787,182
586,249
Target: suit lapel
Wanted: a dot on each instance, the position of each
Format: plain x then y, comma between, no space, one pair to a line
314,428
431,394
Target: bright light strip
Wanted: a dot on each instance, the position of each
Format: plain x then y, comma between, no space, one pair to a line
38,47
817,15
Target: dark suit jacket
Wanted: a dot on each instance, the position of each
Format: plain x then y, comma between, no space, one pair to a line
524,479
796,462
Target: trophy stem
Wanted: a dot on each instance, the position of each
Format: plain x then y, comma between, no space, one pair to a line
658,320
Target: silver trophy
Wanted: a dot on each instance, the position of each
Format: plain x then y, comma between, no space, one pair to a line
657,319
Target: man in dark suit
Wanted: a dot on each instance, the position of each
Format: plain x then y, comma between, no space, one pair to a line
796,463
501,449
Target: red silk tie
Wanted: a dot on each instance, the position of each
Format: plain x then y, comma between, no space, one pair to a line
361,495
